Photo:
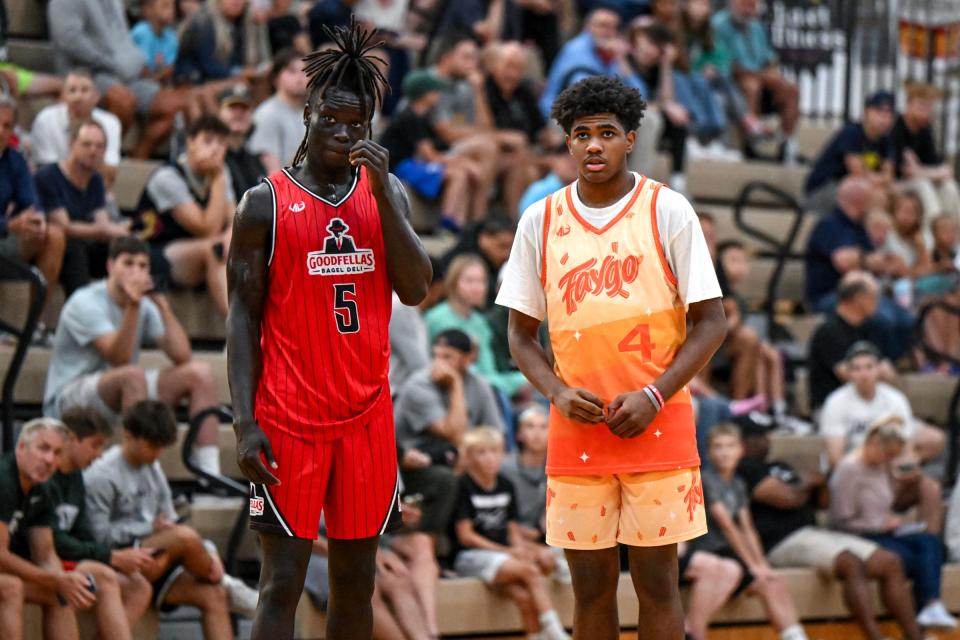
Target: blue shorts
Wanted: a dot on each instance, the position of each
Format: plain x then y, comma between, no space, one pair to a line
426,178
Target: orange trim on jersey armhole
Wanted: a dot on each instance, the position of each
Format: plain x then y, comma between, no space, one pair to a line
543,247
589,227
656,237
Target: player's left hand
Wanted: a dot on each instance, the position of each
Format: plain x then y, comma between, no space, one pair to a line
369,154
629,414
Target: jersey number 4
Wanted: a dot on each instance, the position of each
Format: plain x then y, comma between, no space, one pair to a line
345,308
639,340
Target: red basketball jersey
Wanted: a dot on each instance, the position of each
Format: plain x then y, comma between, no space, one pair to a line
325,328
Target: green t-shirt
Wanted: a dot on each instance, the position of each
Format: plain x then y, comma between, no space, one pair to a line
73,537
22,511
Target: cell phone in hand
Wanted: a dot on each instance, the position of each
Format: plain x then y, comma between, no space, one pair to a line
156,553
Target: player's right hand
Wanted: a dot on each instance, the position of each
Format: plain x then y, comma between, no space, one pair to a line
580,405
251,442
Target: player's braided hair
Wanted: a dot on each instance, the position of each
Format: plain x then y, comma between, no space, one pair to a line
347,64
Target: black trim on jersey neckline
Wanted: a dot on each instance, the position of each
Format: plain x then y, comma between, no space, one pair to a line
335,205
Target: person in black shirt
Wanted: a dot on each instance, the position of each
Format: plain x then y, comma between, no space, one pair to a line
73,535
512,99
487,539
858,297
783,510
73,195
236,111
861,149
418,158
916,156
492,240
27,520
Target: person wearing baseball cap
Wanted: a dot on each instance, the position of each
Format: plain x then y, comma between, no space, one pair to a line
418,155
861,148
236,110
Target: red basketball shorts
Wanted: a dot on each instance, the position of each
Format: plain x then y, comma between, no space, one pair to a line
352,480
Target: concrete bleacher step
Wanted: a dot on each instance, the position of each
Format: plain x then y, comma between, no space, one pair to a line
791,287
775,222
27,19
34,55
717,181
131,179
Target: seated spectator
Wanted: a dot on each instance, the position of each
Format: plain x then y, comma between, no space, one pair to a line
73,194
91,34
433,410
915,153
27,551
97,346
17,81
236,111
489,239
732,534
488,542
861,149
278,123
466,286
851,409
409,345
512,97
24,232
186,210
562,170
711,581
221,41
487,22
330,14
857,300
526,470
838,243
783,505
862,499
420,158
73,536
753,64
129,504
464,122
946,243
156,37
906,243
50,133
756,366
597,50
11,605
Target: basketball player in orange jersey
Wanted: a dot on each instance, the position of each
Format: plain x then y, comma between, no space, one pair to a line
317,251
618,266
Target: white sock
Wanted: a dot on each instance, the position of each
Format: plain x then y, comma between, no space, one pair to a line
551,627
795,632
207,457
779,407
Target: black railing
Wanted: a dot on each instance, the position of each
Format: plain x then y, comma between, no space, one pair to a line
780,248
935,355
16,271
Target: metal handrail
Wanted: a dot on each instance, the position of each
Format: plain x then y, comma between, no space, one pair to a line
953,420
780,248
226,483
14,270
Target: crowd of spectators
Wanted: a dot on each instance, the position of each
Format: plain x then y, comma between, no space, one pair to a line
216,91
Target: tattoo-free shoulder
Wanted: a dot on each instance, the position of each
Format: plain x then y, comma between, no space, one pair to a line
256,207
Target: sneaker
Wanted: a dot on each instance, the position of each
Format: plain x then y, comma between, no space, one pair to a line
794,425
936,615
719,151
240,598
42,337
695,150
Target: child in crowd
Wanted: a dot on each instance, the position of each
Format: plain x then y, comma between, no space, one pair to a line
944,228
732,533
157,38
488,539
906,243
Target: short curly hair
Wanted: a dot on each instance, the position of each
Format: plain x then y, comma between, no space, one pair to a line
599,94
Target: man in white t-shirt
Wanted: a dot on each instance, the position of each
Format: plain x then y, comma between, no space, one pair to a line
278,123
617,264
50,134
851,410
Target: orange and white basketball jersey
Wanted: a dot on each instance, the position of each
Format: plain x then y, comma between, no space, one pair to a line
616,322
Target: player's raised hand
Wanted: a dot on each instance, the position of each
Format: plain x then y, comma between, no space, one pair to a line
369,154
251,443
580,405
630,414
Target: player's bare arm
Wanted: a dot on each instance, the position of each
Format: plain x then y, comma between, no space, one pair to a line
407,263
629,414
576,404
247,287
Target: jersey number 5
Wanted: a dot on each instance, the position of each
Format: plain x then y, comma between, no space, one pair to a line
345,308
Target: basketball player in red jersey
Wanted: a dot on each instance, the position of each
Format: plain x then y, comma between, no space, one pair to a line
317,250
